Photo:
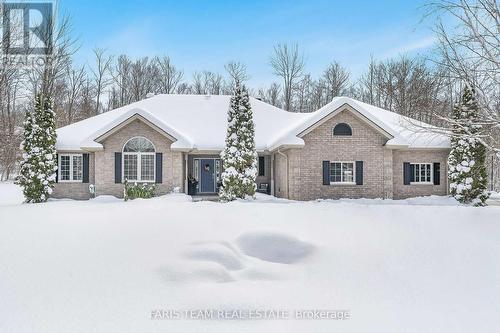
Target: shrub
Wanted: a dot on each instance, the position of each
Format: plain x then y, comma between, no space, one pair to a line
134,191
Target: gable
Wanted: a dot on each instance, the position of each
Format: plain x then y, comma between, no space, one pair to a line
292,137
136,127
344,110
93,143
134,120
362,131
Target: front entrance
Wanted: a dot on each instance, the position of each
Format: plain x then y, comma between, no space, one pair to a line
207,175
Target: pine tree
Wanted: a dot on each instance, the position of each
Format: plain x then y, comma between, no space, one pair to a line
239,158
466,163
39,164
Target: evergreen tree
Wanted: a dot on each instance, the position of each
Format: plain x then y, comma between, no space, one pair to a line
466,163
239,157
39,164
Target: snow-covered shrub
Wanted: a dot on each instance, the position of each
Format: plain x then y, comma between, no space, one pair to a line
134,191
466,163
39,165
239,157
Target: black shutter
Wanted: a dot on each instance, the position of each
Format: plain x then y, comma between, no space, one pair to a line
85,176
407,174
159,168
118,168
359,172
437,173
326,172
57,171
412,172
262,166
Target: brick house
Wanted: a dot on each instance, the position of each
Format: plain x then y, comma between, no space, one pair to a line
347,149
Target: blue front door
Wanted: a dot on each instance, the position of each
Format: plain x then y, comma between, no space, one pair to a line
207,174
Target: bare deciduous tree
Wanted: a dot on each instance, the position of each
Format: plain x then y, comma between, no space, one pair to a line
169,76
121,78
303,92
10,118
58,50
213,83
237,72
272,95
336,79
407,86
198,85
101,75
469,50
288,63
75,82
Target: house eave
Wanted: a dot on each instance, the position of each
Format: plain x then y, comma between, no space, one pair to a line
285,146
394,147
410,148
92,149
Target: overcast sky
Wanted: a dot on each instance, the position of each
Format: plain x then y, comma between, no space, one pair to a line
200,35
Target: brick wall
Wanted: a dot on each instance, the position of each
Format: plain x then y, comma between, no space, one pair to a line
78,191
402,191
365,144
105,160
388,174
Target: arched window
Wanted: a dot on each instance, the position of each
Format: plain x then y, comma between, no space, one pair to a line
342,129
139,160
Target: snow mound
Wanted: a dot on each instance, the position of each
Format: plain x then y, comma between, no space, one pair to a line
274,247
261,273
198,272
221,253
175,197
256,257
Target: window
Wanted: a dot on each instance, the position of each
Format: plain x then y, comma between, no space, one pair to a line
218,171
130,167
342,129
139,160
148,167
196,170
342,172
70,167
77,167
64,167
262,166
422,173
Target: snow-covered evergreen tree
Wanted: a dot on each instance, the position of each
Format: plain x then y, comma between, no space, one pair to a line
39,164
239,157
466,163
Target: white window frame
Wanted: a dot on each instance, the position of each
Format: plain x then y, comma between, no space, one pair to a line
419,182
342,174
139,160
70,180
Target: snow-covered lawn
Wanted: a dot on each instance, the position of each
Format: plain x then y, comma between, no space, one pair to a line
421,265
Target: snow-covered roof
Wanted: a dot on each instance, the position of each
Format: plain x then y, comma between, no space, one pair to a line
199,122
